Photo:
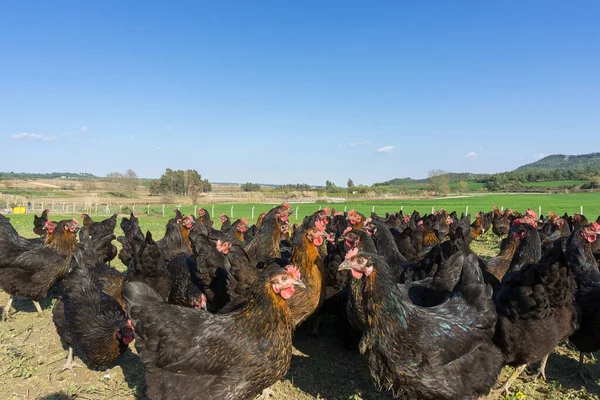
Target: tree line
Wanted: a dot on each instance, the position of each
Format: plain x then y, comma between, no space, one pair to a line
180,183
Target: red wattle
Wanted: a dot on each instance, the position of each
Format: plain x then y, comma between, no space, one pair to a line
356,274
287,293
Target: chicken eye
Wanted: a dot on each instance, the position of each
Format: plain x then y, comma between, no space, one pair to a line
284,278
360,260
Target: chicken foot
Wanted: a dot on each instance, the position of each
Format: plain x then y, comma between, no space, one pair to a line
6,311
38,308
266,394
542,370
70,364
512,378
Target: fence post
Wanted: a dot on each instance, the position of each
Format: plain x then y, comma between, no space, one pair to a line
432,209
163,211
73,206
401,208
540,211
253,212
108,208
212,211
296,213
133,209
467,211
231,212
148,212
63,206
179,207
502,209
195,210
581,209
344,208
319,208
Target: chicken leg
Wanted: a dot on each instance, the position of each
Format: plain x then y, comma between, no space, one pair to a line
542,370
38,308
512,378
70,364
266,394
6,311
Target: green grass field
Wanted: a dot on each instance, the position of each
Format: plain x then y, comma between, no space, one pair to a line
557,203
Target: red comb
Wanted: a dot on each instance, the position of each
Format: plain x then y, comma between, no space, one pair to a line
327,212
244,221
293,271
531,213
352,253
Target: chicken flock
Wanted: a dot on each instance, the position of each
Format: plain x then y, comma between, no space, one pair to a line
431,318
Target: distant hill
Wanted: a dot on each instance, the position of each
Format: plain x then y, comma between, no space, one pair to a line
453,177
564,162
50,175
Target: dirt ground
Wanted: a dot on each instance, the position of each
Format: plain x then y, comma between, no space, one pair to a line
31,358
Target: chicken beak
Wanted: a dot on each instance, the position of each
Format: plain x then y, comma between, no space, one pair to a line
346,265
300,284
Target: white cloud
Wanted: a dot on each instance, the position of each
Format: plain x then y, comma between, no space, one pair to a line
31,136
83,128
472,154
538,156
134,136
353,144
385,149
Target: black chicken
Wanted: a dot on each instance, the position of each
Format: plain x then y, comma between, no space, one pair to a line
442,352
536,311
39,222
191,354
29,268
88,320
584,268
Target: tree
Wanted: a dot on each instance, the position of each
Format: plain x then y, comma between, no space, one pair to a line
439,181
88,186
182,183
130,181
462,187
292,186
350,183
116,181
330,186
250,187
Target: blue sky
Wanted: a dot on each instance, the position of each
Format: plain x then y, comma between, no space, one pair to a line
287,92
